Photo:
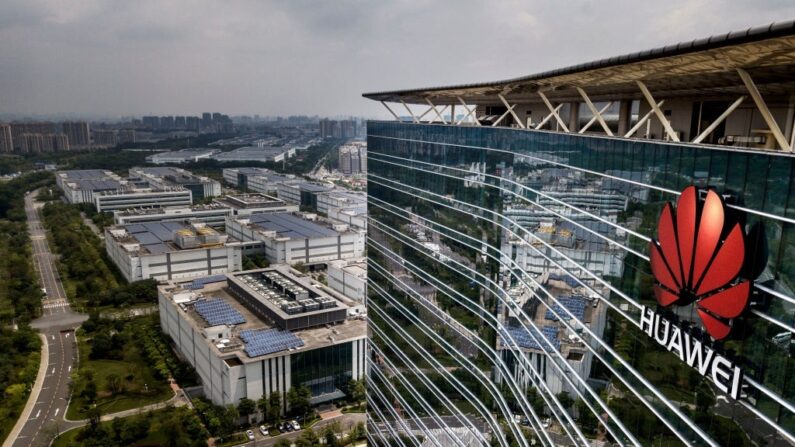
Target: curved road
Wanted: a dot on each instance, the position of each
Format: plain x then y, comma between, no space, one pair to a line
57,325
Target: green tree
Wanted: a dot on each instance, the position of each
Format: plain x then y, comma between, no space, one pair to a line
308,438
274,407
298,399
246,407
114,384
358,390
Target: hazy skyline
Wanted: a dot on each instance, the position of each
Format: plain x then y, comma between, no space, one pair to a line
109,58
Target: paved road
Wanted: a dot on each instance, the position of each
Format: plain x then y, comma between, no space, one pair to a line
57,325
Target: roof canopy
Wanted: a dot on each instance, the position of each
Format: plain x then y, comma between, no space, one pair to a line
703,67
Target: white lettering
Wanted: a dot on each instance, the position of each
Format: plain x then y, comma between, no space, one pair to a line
726,376
696,352
736,380
675,344
664,339
647,320
721,373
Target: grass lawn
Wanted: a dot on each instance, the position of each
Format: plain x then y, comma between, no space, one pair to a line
141,385
155,435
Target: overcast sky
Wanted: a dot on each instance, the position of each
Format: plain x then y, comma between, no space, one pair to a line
119,58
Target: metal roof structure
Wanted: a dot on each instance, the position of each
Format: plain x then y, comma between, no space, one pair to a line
698,67
154,236
290,226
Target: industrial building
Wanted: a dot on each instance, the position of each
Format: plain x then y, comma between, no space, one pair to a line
276,154
109,192
292,238
190,155
246,204
259,180
348,277
534,214
249,334
213,214
304,194
171,250
338,198
170,177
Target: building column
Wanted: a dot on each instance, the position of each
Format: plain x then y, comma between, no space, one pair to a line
574,116
624,116
789,123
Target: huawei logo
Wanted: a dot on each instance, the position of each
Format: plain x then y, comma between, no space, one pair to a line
698,257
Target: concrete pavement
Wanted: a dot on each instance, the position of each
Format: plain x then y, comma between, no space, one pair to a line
49,398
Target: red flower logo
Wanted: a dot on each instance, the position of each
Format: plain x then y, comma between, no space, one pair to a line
697,257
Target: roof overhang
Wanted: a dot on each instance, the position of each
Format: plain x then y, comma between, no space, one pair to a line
703,68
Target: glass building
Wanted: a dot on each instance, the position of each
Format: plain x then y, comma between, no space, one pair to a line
508,264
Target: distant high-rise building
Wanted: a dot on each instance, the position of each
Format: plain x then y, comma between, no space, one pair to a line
126,136
192,122
19,129
353,158
151,122
78,133
167,122
6,141
58,142
105,138
337,129
207,119
179,122
217,117
31,143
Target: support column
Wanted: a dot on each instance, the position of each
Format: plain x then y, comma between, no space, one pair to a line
574,116
624,116
790,121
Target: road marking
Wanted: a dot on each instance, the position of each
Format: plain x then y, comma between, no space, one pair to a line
38,413
53,370
53,337
70,368
67,335
56,411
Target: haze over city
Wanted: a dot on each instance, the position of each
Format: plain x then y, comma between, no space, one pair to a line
100,59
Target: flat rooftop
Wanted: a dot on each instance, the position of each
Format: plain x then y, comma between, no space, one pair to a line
186,295
85,174
251,200
290,226
164,237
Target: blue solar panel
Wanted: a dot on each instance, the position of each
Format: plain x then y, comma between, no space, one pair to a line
267,341
199,283
217,311
575,305
524,340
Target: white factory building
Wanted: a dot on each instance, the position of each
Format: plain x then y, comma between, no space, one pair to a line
348,277
141,197
292,238
171,250
109,192
163,177
212,214
252,333
190,155
246,204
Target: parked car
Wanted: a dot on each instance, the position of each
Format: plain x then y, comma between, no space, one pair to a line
282,428
295,425
263,430
250,435
289,426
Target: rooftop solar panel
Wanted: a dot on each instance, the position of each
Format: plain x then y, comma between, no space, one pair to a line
268,341
217,311
574,304
524,340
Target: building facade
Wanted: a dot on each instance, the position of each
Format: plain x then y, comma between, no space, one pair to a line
255,354
511,277
170,251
